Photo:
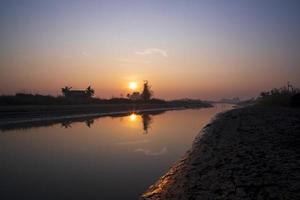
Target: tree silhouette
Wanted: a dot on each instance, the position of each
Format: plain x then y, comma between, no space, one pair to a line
147,93
66,90
89,91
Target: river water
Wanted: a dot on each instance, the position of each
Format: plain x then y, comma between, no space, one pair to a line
115,157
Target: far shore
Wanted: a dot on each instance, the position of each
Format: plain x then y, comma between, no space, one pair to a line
10,115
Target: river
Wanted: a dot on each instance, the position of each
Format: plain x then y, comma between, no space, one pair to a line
115,157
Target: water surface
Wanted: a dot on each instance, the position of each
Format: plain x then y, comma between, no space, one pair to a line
100,158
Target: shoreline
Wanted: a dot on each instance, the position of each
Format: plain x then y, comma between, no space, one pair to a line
35,113
244,153
30,118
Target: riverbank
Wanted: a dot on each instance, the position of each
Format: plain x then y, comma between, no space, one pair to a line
10,115
23,114
246,153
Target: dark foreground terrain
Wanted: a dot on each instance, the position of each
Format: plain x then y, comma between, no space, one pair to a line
247,153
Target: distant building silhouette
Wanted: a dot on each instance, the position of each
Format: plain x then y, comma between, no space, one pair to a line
68,92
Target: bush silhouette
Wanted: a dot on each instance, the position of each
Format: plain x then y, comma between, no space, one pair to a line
284,96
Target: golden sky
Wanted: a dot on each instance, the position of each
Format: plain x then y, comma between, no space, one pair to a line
195,49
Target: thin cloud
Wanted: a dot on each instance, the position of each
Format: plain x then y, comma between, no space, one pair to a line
151,51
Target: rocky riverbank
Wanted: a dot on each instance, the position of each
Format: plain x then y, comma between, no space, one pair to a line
246,153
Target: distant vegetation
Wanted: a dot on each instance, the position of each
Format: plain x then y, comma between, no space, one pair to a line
190,103
37,99
83,97
76,97
287,96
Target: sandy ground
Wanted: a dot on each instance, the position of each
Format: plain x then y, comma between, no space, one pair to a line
246,153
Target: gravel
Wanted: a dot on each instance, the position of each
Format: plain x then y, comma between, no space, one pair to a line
245,153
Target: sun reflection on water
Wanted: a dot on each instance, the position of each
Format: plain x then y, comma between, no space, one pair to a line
133,117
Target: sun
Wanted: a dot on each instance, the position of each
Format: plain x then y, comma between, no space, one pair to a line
132,85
